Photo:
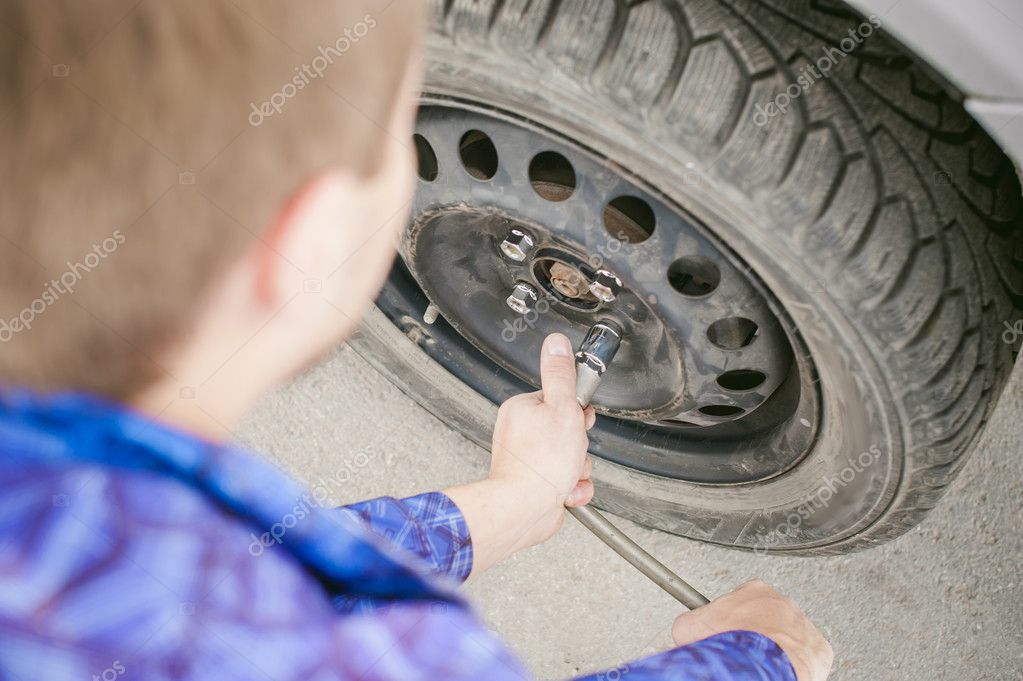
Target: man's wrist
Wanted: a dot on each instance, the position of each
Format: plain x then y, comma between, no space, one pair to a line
525,507
534,503
504,516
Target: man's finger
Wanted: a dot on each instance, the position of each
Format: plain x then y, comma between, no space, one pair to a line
557,370
587,468
581,494
690,627
591,417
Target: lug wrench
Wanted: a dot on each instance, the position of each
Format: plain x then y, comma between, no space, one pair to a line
594,356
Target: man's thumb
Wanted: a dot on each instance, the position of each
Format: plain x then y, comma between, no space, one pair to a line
557,370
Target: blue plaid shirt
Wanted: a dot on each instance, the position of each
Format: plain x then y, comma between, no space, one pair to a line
129,550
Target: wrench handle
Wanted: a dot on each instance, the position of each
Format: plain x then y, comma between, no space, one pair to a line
595,354
638,557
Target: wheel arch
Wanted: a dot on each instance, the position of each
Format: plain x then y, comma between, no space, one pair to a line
975,48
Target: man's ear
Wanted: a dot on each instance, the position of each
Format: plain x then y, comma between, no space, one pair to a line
300,241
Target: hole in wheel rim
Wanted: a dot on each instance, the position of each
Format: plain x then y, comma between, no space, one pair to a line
426,159
694,276
732,333
552,176
741,379
721,410
478,154
629,219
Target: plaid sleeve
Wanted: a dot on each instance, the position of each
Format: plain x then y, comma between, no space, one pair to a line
731,656
429,525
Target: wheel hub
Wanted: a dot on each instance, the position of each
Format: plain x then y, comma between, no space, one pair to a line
471,289
565,279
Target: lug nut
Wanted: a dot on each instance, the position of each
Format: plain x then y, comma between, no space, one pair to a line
523,297
595,354
516,245
605,285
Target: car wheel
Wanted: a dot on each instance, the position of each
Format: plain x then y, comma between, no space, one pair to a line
815,272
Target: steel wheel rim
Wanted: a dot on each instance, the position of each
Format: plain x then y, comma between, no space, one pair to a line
672,434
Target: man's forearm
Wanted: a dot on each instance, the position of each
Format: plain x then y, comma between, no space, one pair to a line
503,518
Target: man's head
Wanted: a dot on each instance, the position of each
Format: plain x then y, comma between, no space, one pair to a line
185,184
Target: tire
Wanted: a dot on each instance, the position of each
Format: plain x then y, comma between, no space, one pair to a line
881,216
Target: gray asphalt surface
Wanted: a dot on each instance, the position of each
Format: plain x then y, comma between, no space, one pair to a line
942,602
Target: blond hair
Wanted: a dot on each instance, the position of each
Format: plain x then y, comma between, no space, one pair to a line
143,153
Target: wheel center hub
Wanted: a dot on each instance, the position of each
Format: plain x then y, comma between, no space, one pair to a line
568,281
506,306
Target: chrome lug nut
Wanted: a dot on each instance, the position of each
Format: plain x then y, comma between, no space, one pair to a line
516,245
605,285
595,354
523,297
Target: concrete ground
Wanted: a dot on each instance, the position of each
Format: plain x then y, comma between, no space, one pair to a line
942,602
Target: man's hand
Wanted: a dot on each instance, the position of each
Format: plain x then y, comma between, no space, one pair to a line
538,466
540,442
755,606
